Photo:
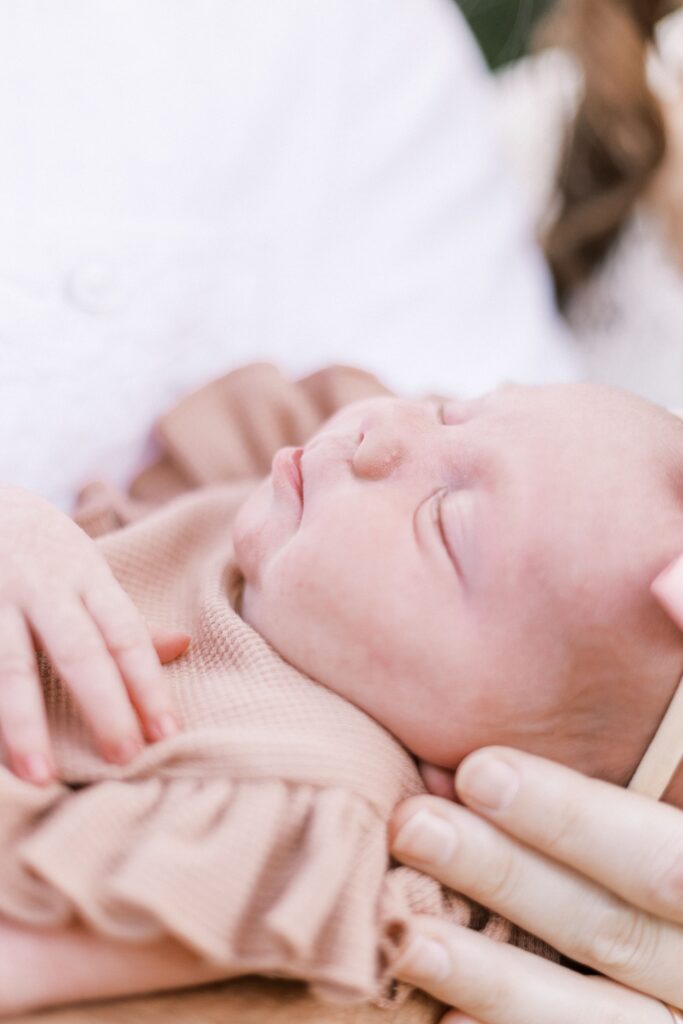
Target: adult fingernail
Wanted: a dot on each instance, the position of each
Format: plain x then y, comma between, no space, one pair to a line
164,726
488,782
427,838
424,960
36,768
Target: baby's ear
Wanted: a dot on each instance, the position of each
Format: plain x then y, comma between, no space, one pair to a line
439,781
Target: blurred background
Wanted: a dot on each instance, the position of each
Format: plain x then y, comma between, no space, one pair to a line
503,27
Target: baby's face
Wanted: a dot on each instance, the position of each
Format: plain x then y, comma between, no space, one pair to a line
434,564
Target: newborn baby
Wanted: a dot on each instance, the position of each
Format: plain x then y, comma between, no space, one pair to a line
454,574
478,572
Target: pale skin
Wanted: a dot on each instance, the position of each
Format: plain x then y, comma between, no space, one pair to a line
596,870
527,990
569,863
378,463
58,593
460,570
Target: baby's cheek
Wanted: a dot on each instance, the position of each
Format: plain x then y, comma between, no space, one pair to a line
291,608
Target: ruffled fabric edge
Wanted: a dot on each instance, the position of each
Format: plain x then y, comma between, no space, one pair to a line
266,876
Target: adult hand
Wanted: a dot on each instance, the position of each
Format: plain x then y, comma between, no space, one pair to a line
57,592
593,869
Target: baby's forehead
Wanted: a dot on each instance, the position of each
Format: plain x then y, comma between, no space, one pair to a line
583,476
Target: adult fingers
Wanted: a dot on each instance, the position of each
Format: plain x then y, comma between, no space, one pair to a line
577,916
668,589
23,720
75,647
500,984
629,844
128,640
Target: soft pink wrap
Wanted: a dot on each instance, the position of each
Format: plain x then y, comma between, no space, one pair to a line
257,837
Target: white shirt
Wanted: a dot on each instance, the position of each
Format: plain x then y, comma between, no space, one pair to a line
186,185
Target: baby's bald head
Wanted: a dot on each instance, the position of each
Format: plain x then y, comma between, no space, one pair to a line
619,656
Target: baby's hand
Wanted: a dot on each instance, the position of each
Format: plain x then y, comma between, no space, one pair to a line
57,592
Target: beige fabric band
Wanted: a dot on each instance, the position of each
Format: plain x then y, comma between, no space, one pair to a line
658,767
663,756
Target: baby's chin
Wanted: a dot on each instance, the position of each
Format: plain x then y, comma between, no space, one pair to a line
262,527
250,532
243,527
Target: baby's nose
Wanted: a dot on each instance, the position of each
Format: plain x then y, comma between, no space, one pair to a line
383,446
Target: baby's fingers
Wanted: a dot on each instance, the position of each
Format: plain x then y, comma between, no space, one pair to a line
169,644
132,648
75,646
23,720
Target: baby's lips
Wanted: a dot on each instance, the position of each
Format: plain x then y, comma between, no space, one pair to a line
668,590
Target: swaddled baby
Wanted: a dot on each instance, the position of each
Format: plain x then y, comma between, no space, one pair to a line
454,574
478,572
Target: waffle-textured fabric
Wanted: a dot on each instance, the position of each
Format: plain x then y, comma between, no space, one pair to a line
257,836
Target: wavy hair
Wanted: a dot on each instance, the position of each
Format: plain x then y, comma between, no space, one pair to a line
617,140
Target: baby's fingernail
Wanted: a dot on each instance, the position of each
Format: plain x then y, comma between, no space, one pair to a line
36,768
179,638
488,782
164,726
125,751
424,960
179,634
427,838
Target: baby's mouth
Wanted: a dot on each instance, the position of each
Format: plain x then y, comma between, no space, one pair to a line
296,460
286,471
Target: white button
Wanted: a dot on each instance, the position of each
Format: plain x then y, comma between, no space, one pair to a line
96,286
